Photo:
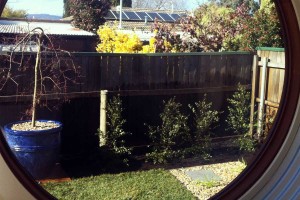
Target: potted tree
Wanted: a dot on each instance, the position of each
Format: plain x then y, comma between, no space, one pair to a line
36,142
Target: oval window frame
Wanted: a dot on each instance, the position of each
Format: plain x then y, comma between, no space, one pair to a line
277,134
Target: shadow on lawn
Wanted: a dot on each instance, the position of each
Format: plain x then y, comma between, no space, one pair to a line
103,162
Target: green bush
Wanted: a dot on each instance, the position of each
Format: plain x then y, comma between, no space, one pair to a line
114,137
239,111
246,143
203,120
238,119
173,139
171,135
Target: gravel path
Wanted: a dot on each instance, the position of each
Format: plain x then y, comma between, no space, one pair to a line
206,189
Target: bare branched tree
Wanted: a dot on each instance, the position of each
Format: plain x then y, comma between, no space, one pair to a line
34,67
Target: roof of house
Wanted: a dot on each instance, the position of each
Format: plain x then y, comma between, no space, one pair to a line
50,27
134,14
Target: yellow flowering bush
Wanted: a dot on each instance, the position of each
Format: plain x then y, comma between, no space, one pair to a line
112,41
151,47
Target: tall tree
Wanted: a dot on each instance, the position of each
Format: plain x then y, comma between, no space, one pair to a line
10,13
89,15
234,4
126,3
66,8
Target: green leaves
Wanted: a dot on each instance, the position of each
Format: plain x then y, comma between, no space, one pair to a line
174,139
89,15
238,119
204,118
115,133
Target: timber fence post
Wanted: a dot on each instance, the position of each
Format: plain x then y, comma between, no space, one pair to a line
103,103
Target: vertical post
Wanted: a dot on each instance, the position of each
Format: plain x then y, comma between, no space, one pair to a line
103,103
121,8
261,107
253,93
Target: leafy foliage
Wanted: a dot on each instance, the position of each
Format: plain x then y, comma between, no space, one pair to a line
239,118
89,15
234,4
173,138
239,111
265,29
171,135
126,3
112,41
114,137
165,40
246,143
66,8
248,31
208,27
219,26
204,118
8,12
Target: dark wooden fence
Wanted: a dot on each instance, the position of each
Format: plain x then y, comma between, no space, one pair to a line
136,72
148,73
143,81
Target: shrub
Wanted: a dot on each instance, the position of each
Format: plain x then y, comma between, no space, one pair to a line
114,137
246,143
171,136
88,15
166,39
112,41
204,119
238,119
239,111
206,29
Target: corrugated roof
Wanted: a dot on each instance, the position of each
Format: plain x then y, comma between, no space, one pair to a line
50,28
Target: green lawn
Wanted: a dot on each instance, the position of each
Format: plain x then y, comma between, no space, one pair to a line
153,184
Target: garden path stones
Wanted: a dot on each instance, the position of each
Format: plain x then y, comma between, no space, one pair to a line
203,175
226,171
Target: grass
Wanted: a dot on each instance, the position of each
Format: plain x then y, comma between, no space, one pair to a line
208,183
153,184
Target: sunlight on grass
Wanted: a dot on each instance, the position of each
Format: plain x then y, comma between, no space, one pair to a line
152,184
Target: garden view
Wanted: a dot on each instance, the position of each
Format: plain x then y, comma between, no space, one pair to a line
177,117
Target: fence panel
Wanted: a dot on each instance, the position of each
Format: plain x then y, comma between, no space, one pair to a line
152,72
139,78
267,87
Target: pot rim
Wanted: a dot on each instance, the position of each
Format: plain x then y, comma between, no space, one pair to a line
7,128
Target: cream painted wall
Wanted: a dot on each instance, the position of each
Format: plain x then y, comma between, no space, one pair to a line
10,187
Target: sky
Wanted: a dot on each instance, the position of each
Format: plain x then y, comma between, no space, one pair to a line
55,7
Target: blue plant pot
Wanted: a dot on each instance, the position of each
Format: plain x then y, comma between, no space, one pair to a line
37,151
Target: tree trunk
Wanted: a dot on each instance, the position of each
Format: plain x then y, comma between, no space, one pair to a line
37,62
